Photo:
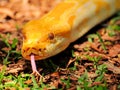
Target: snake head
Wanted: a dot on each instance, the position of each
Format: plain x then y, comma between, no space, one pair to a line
43,39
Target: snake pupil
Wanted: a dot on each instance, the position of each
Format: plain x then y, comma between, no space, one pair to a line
40,50
51,36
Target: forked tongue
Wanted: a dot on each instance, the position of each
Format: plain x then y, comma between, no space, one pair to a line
33,64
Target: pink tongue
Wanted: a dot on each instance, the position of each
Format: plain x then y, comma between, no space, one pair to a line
33,63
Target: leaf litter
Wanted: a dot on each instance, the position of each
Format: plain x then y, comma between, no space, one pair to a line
84,64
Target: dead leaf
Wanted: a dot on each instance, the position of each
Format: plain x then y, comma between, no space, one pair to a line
112,67
115,50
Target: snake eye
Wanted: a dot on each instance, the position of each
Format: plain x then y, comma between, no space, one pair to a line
51,36
40,50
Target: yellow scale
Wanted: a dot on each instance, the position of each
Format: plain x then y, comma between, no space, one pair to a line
67,22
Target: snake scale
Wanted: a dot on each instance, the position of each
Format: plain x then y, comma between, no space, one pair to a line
67,22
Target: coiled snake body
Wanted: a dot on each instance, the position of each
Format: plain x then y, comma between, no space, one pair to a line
68,21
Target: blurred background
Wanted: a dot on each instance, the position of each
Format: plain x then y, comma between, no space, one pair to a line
18,12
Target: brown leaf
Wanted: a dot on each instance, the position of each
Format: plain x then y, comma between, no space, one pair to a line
55,74
113,87
28,81
115,50
6,12
113,38
80,47
112,67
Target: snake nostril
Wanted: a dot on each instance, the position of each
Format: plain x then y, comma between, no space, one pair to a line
27,49
23,51
41,49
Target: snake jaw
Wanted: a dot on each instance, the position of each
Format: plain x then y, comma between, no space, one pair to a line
32,51
43,50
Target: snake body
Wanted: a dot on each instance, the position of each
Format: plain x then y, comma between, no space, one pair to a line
67,22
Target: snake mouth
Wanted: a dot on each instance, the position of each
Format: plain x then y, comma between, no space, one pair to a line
38,54
42,50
